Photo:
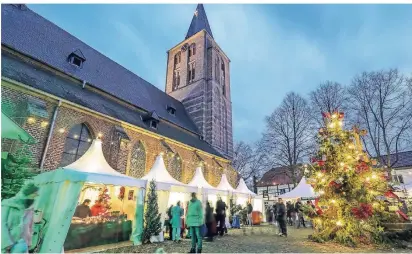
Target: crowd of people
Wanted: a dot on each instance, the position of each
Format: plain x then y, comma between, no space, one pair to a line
199,224
291,214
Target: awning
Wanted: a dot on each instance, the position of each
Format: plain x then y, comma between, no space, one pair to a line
11,130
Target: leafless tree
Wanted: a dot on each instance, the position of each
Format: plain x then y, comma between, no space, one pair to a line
328,97
383,106
289,133
249,160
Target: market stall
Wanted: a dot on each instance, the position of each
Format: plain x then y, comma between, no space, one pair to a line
303,190
169,189
226,189
73,220
206,191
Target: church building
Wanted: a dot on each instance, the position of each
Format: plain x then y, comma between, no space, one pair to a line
65,94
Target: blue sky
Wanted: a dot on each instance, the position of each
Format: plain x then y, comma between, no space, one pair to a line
274,49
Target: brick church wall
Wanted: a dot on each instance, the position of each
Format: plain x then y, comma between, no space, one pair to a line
117,155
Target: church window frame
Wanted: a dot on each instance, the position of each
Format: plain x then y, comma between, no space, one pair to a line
77,142
137,160
192,72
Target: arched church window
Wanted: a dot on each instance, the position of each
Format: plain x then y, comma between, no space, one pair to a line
217,73
177,59
191,72
78,141
137,161
176,80
222,77
192,50
175,167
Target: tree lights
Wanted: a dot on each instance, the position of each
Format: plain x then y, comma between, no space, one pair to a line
349,185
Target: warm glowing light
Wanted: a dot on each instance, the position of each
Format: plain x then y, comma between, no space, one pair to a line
339,223
333,201
323,180
321,192
62,130
342,164
375,204
368,179
100,135
76,136
340,123
374,176
161,153
89,140
331,125
319,174
334,115
31,120
318,220
44,124
351,146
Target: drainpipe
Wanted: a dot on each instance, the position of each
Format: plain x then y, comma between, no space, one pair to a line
84,84
43,159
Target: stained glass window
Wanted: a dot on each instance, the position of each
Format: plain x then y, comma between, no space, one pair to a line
77,143
137,161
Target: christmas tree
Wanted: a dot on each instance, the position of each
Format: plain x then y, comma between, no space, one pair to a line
153,226
105,201
350,207
15,170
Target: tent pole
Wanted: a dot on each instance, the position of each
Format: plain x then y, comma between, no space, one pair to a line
43,158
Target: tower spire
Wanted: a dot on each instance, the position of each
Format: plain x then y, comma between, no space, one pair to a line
199,22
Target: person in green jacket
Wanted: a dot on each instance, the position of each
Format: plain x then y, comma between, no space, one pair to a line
177,213
194,220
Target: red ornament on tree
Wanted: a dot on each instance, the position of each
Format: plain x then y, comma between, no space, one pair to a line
326,114
362,167
390,194
362,212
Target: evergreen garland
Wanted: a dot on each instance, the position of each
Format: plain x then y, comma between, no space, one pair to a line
152,223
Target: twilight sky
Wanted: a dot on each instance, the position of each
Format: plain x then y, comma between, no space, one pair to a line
274,49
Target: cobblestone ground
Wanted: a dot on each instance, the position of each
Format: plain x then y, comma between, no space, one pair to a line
259,239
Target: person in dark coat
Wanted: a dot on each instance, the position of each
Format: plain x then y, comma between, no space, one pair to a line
221,215
83,210
209,219
299,211
281,217
290,209
169,223
249,213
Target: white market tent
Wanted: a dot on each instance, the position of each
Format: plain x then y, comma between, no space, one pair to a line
243,189
199,181
60,190
302,190
224,184
164,181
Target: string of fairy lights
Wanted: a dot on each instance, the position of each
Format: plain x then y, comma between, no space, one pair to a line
196,162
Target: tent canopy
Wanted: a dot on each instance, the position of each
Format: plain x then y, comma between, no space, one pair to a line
11,130
164,180
91,167
224,184
302,190
242,188
200,182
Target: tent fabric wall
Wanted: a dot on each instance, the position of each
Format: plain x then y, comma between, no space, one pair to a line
58,213
136,236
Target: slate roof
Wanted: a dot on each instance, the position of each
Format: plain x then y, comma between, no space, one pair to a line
27,32
276,176
403,159
41,79
199,22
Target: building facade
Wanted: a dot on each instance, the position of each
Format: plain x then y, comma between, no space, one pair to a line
65,94
198,75
273,183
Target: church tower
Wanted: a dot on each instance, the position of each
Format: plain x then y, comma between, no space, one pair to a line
198,75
